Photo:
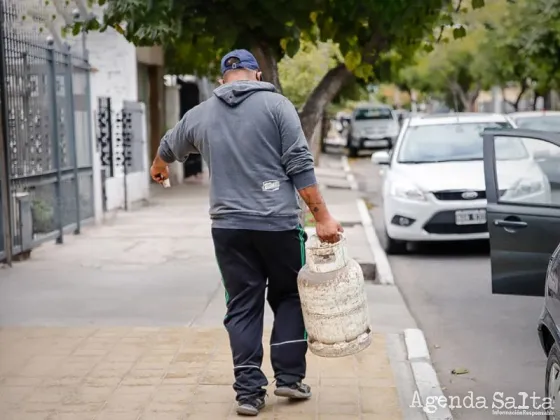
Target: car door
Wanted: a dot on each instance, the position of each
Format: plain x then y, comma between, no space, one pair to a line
523,211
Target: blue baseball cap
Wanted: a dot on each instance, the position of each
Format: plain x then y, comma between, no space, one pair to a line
239,59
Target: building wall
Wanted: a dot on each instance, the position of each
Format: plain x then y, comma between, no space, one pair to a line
115,75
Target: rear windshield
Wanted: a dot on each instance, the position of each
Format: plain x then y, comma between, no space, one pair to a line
456,142
373,114
550,123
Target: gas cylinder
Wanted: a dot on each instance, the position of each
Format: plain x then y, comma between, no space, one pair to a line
333,300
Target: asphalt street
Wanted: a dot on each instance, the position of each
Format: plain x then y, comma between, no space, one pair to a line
448,290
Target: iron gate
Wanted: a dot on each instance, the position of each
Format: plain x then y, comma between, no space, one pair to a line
47,174
120,141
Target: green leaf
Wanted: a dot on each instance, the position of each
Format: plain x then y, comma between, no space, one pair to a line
313,16
428,48
94,25
292,46
446,19
477,4
119,29
352,59
364,71
459,32
76,28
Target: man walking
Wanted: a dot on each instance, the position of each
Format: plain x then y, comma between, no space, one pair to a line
252,141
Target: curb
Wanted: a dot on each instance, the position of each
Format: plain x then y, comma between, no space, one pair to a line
425,376
349,175
383,269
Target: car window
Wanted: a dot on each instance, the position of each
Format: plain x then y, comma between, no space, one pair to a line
454,142
363,114
534,181
550,123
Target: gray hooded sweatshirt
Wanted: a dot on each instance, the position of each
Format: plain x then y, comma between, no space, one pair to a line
252,141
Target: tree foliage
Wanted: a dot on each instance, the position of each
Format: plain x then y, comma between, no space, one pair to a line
301,73
532,29
197,32
509,43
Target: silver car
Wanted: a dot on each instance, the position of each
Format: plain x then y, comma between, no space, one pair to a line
372,126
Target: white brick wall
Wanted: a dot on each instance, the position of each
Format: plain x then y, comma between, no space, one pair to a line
114,62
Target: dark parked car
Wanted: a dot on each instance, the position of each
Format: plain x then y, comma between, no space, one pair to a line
524,226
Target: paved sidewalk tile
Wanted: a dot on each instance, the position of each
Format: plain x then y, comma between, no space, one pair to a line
180,373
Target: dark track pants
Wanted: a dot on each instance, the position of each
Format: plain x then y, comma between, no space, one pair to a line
247,259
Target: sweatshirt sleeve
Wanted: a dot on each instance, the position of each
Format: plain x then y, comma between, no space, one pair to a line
296,157
177,143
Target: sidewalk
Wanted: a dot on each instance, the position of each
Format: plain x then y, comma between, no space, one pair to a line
125,322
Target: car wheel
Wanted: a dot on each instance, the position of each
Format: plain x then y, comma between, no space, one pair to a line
552,382
394,246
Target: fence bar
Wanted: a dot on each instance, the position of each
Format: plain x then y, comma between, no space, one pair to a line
5,190
55,140
124,136
90,113
69,90
125,173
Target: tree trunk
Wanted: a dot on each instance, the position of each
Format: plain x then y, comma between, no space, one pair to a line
522,91
473,96
468,99
322,95
268,64
548,100
535,100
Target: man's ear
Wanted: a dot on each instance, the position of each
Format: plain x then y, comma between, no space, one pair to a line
221,81
259,76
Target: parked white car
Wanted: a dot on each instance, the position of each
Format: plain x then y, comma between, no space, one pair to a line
433,188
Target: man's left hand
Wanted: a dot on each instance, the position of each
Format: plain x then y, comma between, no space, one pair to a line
329,230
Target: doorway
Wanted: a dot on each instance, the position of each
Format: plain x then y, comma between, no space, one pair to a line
189,97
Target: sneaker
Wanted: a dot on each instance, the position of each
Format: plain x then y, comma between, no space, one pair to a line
297,391
250,407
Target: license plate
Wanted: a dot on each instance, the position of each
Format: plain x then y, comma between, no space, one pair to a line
371,143
470,217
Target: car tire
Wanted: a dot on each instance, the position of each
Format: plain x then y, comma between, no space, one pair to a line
394,246
552,365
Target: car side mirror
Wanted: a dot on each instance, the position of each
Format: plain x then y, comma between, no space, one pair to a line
381,158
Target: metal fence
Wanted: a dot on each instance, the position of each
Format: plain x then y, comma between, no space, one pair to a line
47,177
121,141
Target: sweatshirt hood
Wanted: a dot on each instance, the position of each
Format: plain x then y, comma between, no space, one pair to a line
234,93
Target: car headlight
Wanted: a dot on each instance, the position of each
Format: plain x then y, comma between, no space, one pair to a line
407,191
523,188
